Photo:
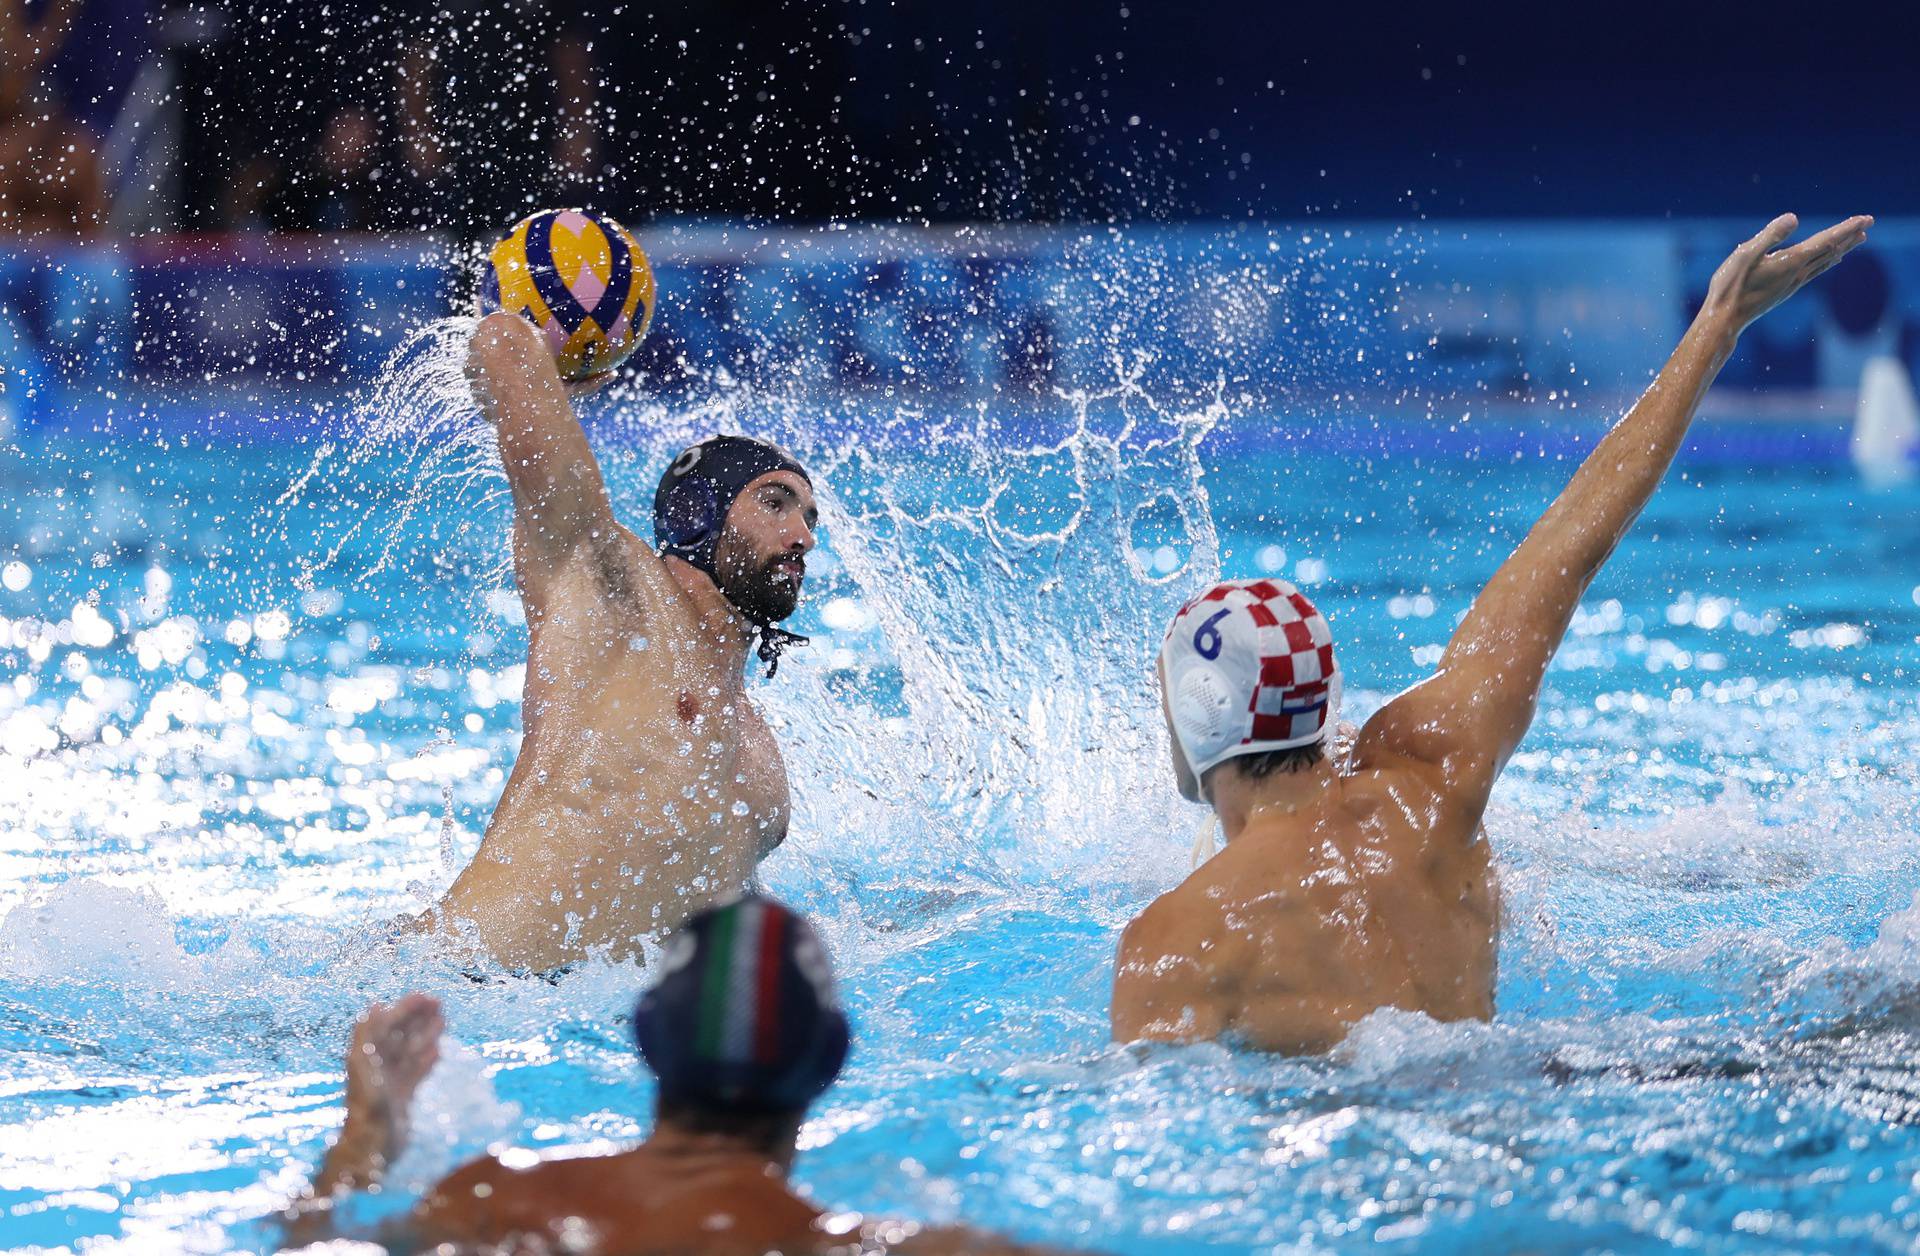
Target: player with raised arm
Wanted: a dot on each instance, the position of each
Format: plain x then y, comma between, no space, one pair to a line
1352,885
743,1032
647,785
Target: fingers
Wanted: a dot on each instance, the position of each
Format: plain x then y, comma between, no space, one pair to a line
403,1020
1821,265
592,384
1772,234
417,1016
1829,246
417,1003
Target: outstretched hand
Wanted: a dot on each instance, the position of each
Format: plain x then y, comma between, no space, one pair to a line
1760,275
394,1047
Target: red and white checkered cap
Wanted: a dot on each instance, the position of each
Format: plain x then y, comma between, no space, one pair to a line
1248,667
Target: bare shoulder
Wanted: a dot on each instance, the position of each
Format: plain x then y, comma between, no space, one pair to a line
1183,923
611,569
472,1200
1408,733
958,1241
1180,962
631,569
1406,754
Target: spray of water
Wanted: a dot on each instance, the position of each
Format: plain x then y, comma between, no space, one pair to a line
419,425
1006,690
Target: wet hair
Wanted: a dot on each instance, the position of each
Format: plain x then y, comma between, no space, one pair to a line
769,1131
1267,762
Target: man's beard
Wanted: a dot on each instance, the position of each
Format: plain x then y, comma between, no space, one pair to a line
767,593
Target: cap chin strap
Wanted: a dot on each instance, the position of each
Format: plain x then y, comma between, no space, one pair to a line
772,642
1205,844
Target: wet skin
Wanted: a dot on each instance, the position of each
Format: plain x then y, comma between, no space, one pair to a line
647,785
1365,881
679,1192
682,1191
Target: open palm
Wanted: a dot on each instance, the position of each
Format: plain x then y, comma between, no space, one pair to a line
1755,278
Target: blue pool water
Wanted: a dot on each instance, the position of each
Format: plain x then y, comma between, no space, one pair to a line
255,700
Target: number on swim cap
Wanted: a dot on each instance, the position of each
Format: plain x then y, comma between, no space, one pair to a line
1206,639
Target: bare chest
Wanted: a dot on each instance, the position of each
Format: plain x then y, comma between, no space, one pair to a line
650,735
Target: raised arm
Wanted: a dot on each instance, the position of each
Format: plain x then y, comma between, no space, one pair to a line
1465,721
394,1047
559,498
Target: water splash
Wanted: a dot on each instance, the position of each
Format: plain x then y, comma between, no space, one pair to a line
419,428
1004,577
1008,577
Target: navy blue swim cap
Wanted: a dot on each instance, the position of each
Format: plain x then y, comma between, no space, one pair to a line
744,1016
690,511
690,506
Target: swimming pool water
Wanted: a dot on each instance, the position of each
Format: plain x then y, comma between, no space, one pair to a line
223,767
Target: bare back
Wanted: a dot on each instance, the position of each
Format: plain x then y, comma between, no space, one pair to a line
634,1204
1381,894
1368,884
643,1203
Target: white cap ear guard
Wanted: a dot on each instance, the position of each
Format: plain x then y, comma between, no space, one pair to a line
1248,667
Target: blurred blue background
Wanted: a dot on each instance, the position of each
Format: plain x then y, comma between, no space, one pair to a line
1367,318
256,195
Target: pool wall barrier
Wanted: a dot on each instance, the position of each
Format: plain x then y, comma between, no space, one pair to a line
1427,321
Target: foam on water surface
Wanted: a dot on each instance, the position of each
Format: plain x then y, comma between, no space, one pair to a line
238,739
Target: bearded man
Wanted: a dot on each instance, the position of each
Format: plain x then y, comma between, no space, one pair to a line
647,786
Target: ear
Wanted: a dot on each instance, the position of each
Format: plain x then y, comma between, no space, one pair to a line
1183,776
690,512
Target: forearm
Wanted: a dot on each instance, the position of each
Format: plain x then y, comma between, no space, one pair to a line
1614,484
558,492
1552,568
355,1162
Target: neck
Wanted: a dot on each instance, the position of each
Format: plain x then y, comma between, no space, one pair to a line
720,620
678,1142
1239,799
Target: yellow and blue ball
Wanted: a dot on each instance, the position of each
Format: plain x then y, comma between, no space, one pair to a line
581,278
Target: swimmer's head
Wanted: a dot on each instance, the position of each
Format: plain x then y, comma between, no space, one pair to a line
760,561
743,1028
1246,669
742,511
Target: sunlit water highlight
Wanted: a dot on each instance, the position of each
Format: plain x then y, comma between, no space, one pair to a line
243,723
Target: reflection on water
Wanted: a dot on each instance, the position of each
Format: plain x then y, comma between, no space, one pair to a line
243,724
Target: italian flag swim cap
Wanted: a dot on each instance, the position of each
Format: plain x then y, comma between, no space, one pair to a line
744,1016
